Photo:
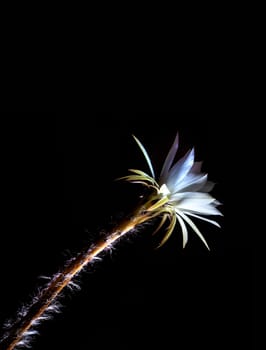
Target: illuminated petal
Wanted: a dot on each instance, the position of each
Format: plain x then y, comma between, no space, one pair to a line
196,202
192,183
180,170
190,197
193,226
202,218
184,230
169,159
201,209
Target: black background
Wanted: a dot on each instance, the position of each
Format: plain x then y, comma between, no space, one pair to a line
58,193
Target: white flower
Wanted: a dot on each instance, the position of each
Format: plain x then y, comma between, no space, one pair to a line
182,191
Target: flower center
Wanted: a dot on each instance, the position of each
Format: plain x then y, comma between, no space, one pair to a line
164,190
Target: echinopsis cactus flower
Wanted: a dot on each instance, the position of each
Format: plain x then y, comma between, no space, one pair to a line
180,192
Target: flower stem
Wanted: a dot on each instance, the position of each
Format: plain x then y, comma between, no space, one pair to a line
22,328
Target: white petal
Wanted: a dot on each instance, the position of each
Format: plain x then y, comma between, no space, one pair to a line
180,170
191,196
184,230
192,183
199,203
169,159
193,226
200,208
202,218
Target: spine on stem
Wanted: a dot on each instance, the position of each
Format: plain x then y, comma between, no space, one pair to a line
20,333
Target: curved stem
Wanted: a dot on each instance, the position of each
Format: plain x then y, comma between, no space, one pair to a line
46,297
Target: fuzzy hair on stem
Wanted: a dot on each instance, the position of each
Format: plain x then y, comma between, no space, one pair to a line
21,332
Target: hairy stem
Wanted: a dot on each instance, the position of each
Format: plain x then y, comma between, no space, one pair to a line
22,327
